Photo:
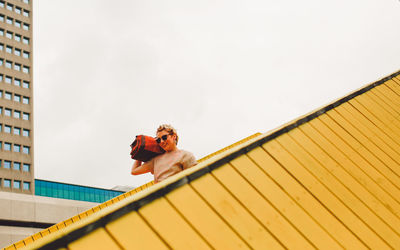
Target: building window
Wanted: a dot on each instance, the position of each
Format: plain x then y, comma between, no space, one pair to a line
9,34
25,69
27,185
1,78
17,114
1,4
1,128
10,7
26,167
17,82
17,10
1,93
1,110
26,54
1,61
25,100
7,147
25,149
25,116
25,40
25,133
9,49
1,32
8,64
26,13
25,1
17,148
17,184
17,52
9,20
7,129
7,112
8,95
1,18
8,79
17,98
1,46
17,24
7,164
7,183
26,26
17,67
17,166
17,131
25,85
17,38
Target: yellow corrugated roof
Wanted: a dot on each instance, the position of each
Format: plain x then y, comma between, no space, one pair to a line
330,179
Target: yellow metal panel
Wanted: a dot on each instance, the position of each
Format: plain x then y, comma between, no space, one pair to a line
171,226
360,149
204,219
28,240
387,95
393,86
327,198
364,165
131,232
375,120
286,185
367,143
379,112
339,182
19,244
350,166
383,104
370,130
278,225
234,213
98,239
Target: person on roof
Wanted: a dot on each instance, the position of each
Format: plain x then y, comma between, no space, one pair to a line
171,162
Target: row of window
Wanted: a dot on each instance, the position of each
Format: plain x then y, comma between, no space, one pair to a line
17,98
17,23
16,130
13,65
15,8
15,165
26,185
15,148
14,50
16,114
17,82
17,37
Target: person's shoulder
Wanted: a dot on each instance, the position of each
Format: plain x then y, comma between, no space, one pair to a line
185,152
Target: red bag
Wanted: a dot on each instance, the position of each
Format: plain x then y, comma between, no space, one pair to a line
144,148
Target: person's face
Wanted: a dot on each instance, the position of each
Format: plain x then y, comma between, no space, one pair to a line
167,141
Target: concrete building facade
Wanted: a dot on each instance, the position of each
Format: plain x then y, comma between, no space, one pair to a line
16,97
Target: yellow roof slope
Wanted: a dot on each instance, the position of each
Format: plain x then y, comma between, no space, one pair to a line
330,179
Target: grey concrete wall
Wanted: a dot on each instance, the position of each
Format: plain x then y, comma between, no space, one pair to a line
30,208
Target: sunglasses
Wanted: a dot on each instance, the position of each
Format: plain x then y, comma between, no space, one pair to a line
164,138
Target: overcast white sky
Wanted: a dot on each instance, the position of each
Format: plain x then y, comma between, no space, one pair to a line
219,71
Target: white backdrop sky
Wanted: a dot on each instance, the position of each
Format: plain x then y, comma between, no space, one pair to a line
218,71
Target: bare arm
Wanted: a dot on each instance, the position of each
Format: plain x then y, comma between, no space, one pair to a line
139,168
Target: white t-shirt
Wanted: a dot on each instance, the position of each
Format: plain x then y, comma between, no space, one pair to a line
170,163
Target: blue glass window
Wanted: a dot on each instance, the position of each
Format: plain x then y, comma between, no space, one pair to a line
7,95
17,82
17,166
7,129
8,79
25,100
7,164
17,148
25,54
25,116
25,133
26,167
7,112
7,146
27,185
25,150
17,38
17,114
25,85
17,98
17,131
7,183
17,184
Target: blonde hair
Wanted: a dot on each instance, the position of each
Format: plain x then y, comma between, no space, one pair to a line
171,130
